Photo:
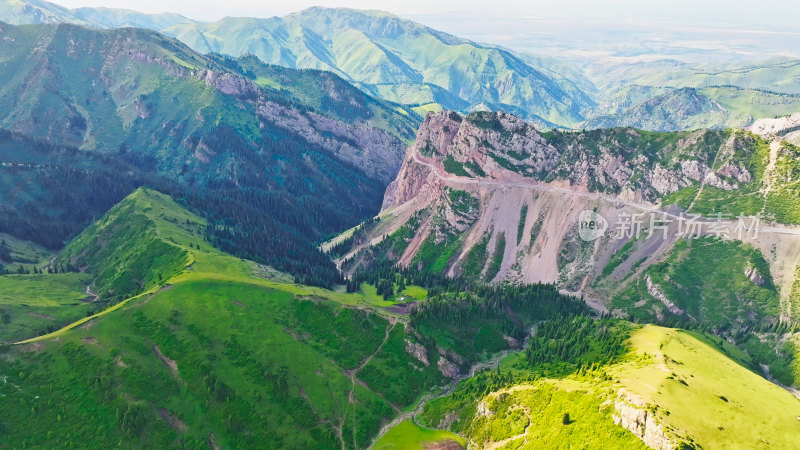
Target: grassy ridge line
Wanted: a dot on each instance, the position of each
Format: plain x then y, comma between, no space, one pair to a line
80,322
150,292
140,202
699,390
696,393
296,289
209,264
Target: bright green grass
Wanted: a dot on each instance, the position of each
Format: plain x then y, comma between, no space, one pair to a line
407,436
434,257
396,375
523,215
618,258
524,412
696,392
369,295
259,362
706,278
753,103
682,197
452,166
246,336
135,246
757,413
781,203
426,108
531,416
211,310
36,304
418,292
713,200
473,264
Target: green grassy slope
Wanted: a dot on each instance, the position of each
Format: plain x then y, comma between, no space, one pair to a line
16,254
708,279
328,94
217,354
696,394
771,191
126,249
408,435
41,303
723,286
222,351
753,413
776,75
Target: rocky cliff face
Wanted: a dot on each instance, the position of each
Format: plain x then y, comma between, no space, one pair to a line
632,413
490,197
777,126
625,161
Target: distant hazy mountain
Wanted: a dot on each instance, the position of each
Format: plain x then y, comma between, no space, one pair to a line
411,64
397,59
116,18
667,109
19,12
775,74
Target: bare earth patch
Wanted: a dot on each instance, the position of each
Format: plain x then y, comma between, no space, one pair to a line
32,347
443,445
402,308
292,334
41,316
174,422
172,365
239,304
212,442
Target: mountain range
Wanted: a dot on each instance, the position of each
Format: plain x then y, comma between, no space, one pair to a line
396,59
236,133
20,12
407,63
